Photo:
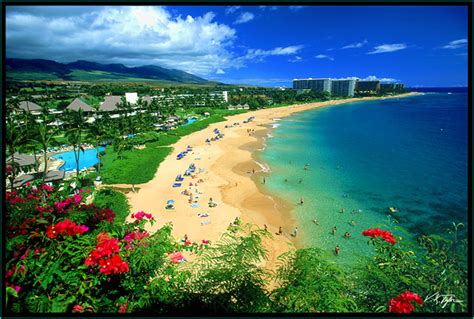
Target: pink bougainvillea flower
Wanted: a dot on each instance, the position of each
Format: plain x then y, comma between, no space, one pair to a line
141,215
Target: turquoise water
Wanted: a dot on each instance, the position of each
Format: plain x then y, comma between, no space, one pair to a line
408,153
87,159
190,121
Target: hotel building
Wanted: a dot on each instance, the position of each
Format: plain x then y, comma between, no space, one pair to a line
343,87
318,85
367,86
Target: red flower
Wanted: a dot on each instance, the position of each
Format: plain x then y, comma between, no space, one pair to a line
377,232
65,227
104,248
123,308
140,215
77,308
402,303
48,188
113,265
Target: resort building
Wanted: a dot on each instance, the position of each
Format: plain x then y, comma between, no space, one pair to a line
224,96
367,86
31,107
110,103
343,87
318,85
131,98
391,87
78,104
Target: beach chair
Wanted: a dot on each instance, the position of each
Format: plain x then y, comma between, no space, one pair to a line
179,178
176,184
180,156
212,204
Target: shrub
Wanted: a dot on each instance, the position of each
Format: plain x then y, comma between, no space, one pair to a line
60,259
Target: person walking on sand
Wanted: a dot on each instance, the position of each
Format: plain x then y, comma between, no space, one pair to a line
253,171
265,226
336,250
295,232
280,231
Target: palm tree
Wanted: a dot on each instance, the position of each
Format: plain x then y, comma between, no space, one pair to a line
98,132
121,145
14,135
44,135
74,134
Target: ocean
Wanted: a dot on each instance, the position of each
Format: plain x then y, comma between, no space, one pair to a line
364,157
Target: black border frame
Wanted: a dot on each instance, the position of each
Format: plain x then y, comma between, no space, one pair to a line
467,3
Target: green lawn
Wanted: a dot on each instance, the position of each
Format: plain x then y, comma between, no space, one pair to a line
136,167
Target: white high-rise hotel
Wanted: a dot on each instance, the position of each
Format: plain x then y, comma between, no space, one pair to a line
335,87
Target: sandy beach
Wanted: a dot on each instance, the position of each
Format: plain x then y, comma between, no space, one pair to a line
224,172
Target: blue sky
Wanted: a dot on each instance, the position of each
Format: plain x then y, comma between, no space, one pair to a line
262,45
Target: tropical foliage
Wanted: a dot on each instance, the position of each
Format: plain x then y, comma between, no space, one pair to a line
63,255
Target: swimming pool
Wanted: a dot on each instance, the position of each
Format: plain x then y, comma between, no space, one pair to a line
190,121
87,159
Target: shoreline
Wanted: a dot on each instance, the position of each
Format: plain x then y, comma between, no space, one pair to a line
227,177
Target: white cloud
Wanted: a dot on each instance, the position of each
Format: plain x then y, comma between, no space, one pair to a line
456,44
271,8
296,8
130,35
324,56
388,48
374,78
369,78
231,9
355,45
220,71
244,17
296,59
258,54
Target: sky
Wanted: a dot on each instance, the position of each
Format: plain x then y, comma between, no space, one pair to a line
420,46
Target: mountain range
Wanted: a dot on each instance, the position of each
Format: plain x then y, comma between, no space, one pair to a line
40,69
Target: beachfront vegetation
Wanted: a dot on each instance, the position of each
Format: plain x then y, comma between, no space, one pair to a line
65,256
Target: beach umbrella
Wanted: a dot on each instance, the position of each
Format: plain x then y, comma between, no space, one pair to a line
170,202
